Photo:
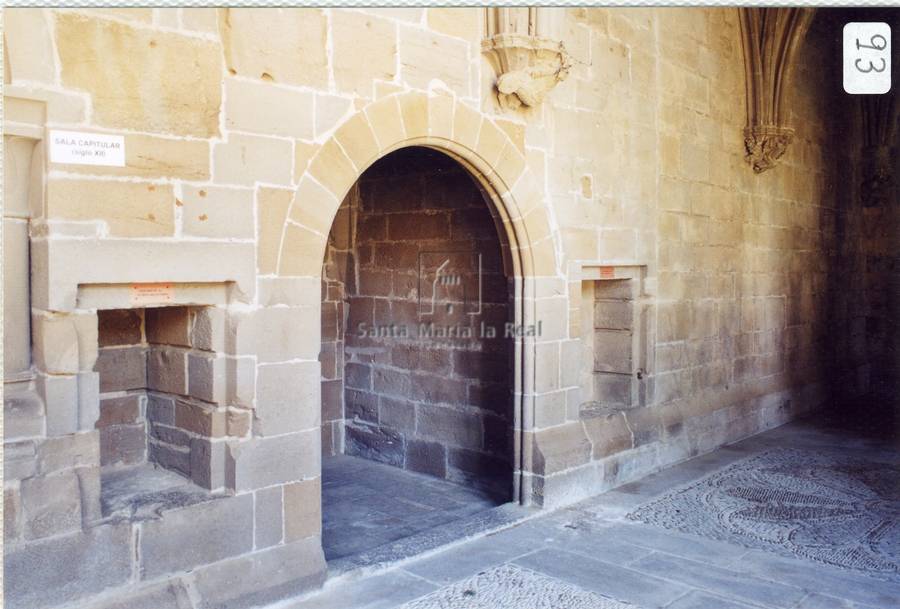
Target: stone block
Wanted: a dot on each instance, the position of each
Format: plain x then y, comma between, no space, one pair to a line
173,458
272,211
200,534
29,46
207,379
238,422
88,399
167,83
278,334
122,369
261,462
557,448
167,370
302,509
247,159
161,409
119,327
302,252
140,209
19,460
12,514
426,458
425,55
23,415
199,418
51,505
66,569
123,444
120,410
608,434
54,343
263,577
209,330
613,351
451,427
171,594
356,36
377,444
89,482
287,398
60,395
286,45
149,156
168,325
208,463
458,22
170,435
288,112
217,213
269,515
67,452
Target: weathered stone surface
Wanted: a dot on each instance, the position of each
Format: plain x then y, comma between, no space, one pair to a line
559,448
357,35
157,157
88,399
51,505
193,536
66,569
287,398
67,452
119,327
167,370
247,159
427,458
172,594
169,83
54,344
29,45
60,395
129,209
19,459
608,434
272,210
374,443
23,415
289,112
302,509
199,418
208,463
262,577
269,517
284,45
217,213
120,410
262,462
447,59
12,514
125,444
168,325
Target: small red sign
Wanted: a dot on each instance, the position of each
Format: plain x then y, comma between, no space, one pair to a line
607,272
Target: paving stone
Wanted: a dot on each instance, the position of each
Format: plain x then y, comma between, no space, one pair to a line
512,587
606,578
735,584
381,591
702,600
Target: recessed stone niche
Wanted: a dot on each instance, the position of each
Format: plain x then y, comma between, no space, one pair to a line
163,393
414,245
614,339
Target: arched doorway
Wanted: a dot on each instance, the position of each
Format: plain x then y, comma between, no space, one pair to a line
417,357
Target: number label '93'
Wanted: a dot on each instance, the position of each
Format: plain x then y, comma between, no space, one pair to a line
867,58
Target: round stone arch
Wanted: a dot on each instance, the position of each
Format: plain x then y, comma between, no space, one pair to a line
440,122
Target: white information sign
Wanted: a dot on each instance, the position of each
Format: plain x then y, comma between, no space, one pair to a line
79,148
867,58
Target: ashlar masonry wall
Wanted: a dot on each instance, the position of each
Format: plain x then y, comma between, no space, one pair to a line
245,129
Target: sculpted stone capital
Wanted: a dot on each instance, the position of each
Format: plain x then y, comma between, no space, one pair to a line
765,144
527,67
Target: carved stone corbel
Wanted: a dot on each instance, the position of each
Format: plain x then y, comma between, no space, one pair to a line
770,38
528,64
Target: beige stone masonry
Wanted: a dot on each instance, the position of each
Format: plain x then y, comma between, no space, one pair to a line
265,108
155,157
217,212
28,45
166,83
364,48
129,209
285,45
247,159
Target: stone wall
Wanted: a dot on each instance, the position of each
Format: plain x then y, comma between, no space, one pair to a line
426,387
244,131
